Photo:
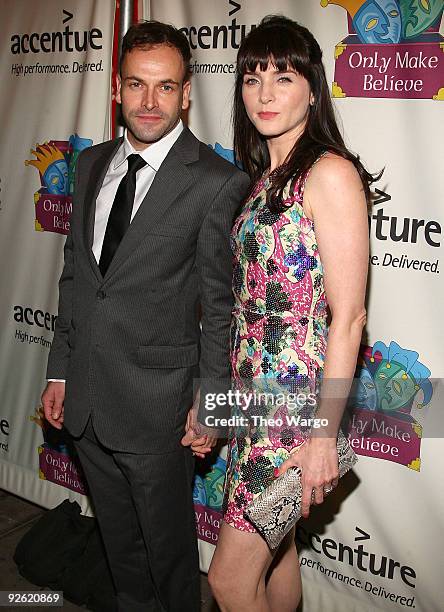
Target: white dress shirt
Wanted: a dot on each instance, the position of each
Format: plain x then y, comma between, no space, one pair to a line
154,155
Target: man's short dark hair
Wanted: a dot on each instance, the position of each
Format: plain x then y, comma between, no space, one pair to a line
152,33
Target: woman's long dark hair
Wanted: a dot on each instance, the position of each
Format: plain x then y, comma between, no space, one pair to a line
285,43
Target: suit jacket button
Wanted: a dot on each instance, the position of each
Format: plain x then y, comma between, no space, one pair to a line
101,295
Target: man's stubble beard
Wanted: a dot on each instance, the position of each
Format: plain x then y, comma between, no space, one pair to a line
150,134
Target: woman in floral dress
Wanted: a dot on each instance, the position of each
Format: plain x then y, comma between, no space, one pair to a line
300,248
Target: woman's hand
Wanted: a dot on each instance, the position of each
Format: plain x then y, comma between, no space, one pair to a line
200,438
318,460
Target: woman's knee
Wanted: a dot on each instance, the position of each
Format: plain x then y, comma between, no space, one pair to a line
220,582
231,590
228,588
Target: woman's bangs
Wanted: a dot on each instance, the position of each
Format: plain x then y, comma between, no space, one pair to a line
271,47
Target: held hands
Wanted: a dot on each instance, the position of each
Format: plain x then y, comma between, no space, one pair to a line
318,460
201,439
53,398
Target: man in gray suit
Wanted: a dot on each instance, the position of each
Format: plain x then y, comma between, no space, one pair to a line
147,253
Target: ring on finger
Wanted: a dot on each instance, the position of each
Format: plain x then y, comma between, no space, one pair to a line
313,495
328,489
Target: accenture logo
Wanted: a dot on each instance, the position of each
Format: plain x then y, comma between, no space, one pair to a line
37,317
62,41
357,555
411,230
4,431
218,36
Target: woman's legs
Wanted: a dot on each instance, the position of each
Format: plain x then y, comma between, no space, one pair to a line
239,571
283,580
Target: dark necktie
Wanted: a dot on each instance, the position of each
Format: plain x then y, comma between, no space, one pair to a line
120,215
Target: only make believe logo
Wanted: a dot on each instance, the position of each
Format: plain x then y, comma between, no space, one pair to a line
391,393
56,163
393,50
208,497
227,154
58,462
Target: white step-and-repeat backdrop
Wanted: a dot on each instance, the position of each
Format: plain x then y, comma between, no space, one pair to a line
55,66
376,544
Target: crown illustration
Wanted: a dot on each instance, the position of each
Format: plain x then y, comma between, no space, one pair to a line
403,360
46,155
39,417
351,6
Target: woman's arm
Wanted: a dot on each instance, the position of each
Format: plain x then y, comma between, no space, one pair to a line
334,199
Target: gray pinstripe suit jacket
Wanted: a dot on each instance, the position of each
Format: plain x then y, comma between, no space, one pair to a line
129,344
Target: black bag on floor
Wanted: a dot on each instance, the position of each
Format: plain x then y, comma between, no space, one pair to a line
53,544
88,580
63,550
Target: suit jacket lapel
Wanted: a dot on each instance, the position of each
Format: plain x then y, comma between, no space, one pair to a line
172,178
96,177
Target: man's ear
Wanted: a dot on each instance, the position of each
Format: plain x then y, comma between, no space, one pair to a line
118,88
186,88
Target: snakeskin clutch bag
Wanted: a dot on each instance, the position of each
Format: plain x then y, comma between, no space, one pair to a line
277,509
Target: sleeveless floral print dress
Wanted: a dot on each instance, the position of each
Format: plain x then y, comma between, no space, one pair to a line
278,338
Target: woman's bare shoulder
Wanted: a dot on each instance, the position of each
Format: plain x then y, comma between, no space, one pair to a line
330,174
334,168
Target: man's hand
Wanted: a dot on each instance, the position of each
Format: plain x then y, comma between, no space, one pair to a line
53,398
200,438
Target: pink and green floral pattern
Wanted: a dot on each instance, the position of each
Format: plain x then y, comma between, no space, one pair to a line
278,335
